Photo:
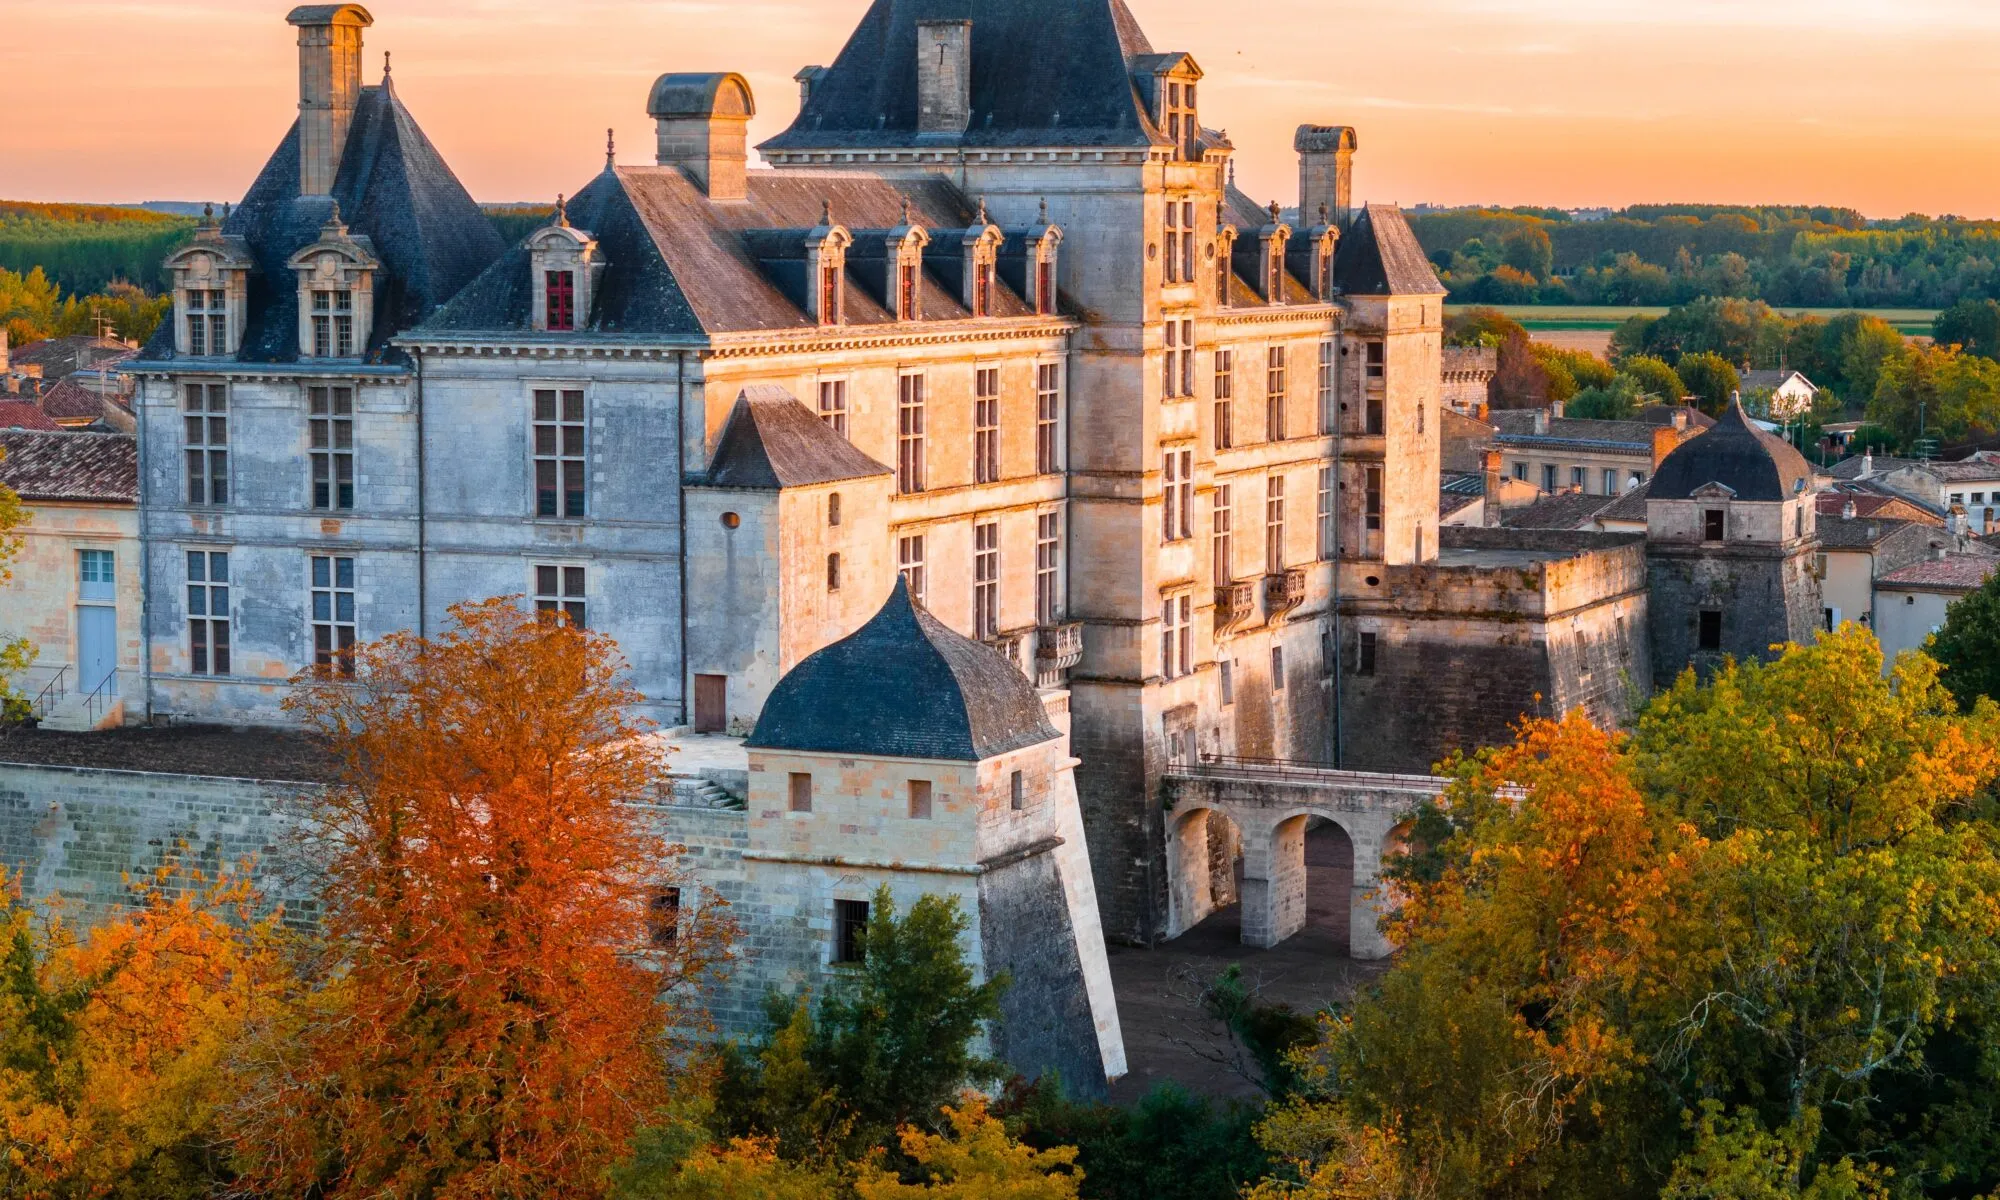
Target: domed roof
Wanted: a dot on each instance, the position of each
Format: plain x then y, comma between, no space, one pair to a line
903,686
1752,464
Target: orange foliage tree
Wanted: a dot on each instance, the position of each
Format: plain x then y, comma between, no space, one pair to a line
506,960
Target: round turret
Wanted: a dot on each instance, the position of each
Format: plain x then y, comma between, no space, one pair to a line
1752,464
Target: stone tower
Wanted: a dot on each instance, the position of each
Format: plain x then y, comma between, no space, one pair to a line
1730,539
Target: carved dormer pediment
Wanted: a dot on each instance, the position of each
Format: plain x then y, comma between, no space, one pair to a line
1029,262
563,270
982,242
1714,491
1271,243
211,280
903,260
336,291
1310,253
826,246
1168,82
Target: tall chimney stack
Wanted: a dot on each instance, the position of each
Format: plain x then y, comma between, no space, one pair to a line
1326,170
329,88
944,76
703,121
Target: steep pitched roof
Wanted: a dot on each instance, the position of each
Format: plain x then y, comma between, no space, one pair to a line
67,465
1739,456
395,190
71,401
1379,256
772,441
24,414
1044,73
903,686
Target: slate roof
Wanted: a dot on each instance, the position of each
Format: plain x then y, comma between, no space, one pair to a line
24,414
1564,510
1749,462
1629,506
681,265
1952,573
1044,73
1379,255
772,441
1966,470
1861,533
59,356
1873,504
393,189
1518,425
903,686
1879,464
101,467
1663,414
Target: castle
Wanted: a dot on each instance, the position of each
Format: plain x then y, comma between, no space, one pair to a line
995,337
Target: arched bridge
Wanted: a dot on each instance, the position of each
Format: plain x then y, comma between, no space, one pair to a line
1258,831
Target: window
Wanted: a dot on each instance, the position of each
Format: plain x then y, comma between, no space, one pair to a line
1371,498
1017,792
833,404
907,293
1222,532
1366,663
1048,417
1610,481
1045,286
1223,267
1327,407
330,423
1048,568
920,799
1521,471
1711,524
910,563
560,294
559,460
986,425
1225,399
1376,360
1176,635
1576,477
663,917
207,322
333,324
1710,629
560,590
799,791
333,615
1277,668
1226,678
1325,513
829,294
1177,368
1180,241
205,419
1799,521
910,434
1372,414
833,572
982,288
985,579
208,611
96,575
833,508
1177,498
1177,117
850,931
1274,524
1274,394
1548,477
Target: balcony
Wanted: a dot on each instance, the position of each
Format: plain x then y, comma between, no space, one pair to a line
1013,647
1057,649
1284,591
1234,602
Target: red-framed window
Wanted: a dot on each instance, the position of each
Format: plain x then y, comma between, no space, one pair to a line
561,287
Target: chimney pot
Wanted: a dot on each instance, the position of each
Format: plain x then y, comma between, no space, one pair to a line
329,88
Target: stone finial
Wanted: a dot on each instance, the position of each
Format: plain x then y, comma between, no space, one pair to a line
1275,211
562,212
826,212
1232,172
1324,212
906,212
610,149
333,220
981,218
385,64
225,210
1042,218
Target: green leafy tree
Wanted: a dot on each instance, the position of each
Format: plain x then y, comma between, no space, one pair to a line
1710,378
1657,381
1971,324
1936,391
1615,401
1529,251
1967,645
1171,1145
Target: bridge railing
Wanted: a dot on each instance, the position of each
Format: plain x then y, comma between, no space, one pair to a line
1292,770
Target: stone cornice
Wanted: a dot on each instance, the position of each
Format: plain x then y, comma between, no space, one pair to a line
955,155
835,338
486,346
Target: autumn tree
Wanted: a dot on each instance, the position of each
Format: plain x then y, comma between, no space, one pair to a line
501,983
973,1158
115,1041
17,653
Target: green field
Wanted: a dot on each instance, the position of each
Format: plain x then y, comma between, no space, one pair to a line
1553,317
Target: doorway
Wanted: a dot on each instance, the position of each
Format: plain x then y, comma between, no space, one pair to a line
711,703
96,645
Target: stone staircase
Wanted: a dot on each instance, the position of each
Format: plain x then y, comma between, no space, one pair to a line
69,711
697,791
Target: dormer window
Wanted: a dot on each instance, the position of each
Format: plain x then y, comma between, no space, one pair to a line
907,292
1225,254
1170,80
336,292
210,281
1180,123
564,261
829,293
982,289
1045,285
903,255
207,319
333,323
982,254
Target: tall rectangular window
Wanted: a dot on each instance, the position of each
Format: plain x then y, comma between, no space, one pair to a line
910,434
1176,635
208,611
1610,482
1277,668
910,563
986,425
1377,360
1365,663
559,452
1177,498
1276,387
1173,237
1709,632
1045,286
920,799
985,579
333,615
833,404
1371,498
1372,411
906,291
1548,477
982,289
1048,568
850,931
799,792
1177,368
333,324
1711,524
663,917
1274,524
829,295
1576,476
1328,406
1048,418
207,322
205,423
330,426
560,589
1222,534
1225,399
560,298
1325,513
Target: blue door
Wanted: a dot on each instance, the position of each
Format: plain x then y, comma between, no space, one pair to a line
96,645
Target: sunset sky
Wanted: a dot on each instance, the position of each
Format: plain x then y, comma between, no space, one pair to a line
1883,105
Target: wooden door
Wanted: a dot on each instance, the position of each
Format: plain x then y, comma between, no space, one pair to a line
711,703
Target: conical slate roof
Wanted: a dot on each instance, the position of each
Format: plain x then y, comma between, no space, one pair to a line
903,686
1752,464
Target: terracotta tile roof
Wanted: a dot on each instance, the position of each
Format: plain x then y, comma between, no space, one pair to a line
1952,573
65,465
24,414
1564,510
1873,504
1631,506
57,357
71,401
1861,533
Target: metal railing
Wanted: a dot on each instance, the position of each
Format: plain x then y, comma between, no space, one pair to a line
100,699
1292,770
52,695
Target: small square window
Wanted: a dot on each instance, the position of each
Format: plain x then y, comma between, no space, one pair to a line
920,799
850,931
801,791
1017,792
1711,629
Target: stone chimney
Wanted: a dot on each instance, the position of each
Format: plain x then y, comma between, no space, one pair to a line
1326,170
1665,442
1847,511
1555,410
944,76
1491,462
1681,418
703,121
329,88
1541,420
1867,463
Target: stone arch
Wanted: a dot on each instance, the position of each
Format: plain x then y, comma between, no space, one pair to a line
1329,880
1205,863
